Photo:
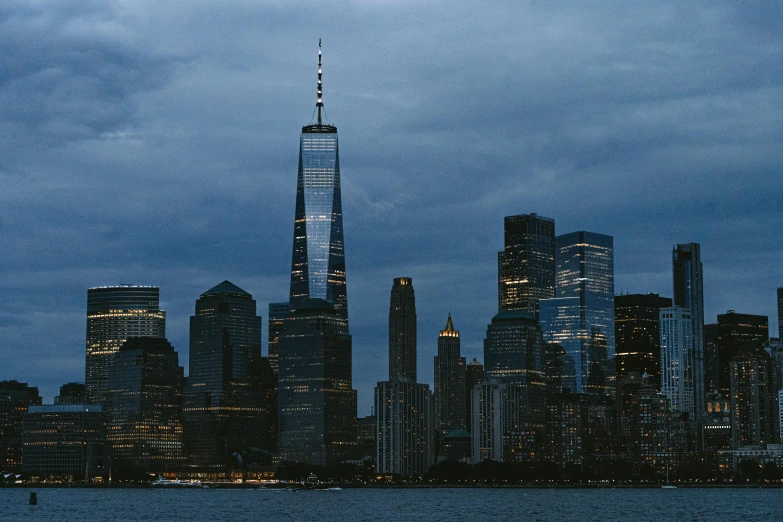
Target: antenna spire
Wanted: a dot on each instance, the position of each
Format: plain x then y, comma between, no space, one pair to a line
320,102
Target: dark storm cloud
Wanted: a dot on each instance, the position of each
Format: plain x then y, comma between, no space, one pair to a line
156,143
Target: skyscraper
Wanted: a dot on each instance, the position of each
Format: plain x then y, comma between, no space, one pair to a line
753,400
144,389
637,334
115,314
689,293
15,398
526,267
676,370
278,312
316,404
584,268
402,415
736,332
402,331
711,361
474,374
780,313
449,381
224,399
318,259
487,412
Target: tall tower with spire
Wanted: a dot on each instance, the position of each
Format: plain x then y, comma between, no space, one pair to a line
449,382
318,259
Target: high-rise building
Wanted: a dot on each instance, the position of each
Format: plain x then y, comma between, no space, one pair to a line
561,325
711,361
753,400
526,267
366,437
487,412
402,415
514,355
278,312
145,396
318,258
584,268
402,331
224,396
689,293
676,370
474,374
115,314
567,427
650,420
15,398
449,382
65,439
72,393
780,313
316,404
736,332
637,334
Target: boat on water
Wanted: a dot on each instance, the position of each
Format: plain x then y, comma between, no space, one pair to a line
176,483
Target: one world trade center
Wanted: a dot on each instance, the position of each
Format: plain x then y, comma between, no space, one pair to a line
318,259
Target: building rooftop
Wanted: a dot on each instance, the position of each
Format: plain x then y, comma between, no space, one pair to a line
226,288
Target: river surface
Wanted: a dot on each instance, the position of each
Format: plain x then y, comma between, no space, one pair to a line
395,504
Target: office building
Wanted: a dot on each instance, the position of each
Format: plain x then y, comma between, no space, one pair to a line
15,398
402,414
689,294
526,267
449,382
676,370
735,333
711,361
402,331
224,397
115,314
72,393
474,374
753,400
64,440
318,258
637,334
278,312
145,428
316,403
487,412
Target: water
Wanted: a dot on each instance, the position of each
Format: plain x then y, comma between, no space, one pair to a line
419,505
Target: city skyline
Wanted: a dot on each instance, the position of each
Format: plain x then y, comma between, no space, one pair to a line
193,238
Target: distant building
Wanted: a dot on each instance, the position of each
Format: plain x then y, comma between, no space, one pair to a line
15,398
224,397
316,402
455,446
487,413
72,393
735,333
677,381
780,313
526,267
753,401
689,294
637,334
474,374
402,331
449,382
145,395
650,427
716,424
115,314
278,312
65,440
711,361
366,437
567,423
514,355
402,414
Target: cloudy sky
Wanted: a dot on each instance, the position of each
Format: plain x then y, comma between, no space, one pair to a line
155,142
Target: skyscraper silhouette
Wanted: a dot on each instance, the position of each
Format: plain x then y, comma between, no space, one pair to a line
402,331
689,293
318,260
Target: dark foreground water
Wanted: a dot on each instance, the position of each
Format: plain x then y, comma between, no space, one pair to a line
394,504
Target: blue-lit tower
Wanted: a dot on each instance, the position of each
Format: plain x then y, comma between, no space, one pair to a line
318,259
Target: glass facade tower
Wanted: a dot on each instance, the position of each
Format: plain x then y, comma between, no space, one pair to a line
318,259
689,293
676,346
115,314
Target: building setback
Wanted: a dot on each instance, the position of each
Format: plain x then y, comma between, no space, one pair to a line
115,314
316,404
224,397
145,396
402,331
526,267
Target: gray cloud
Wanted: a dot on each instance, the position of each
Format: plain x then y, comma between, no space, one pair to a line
156,143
